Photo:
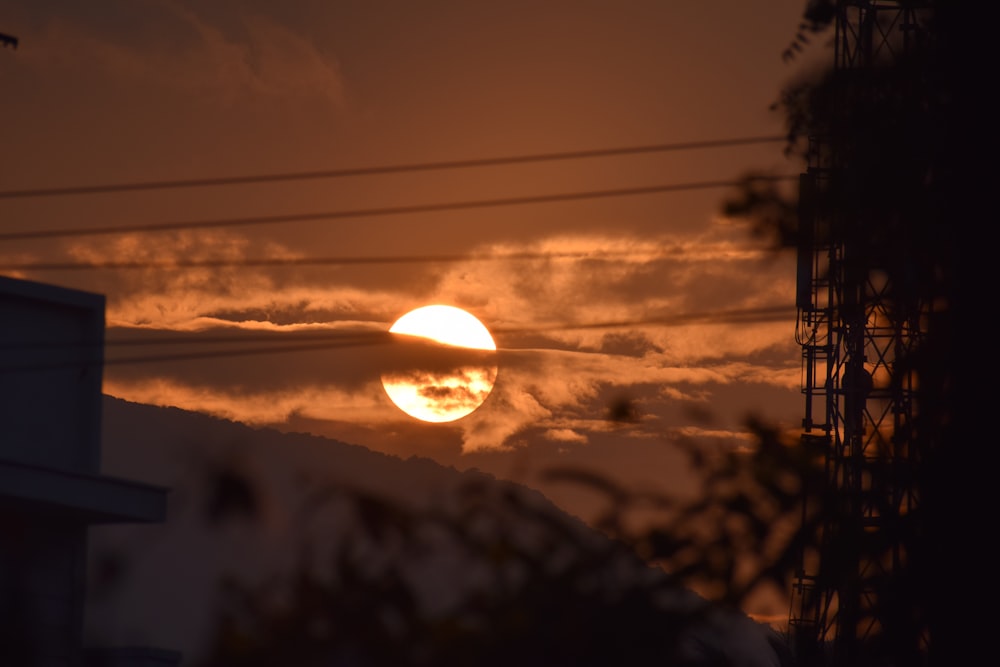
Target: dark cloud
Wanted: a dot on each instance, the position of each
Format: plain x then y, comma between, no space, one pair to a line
409,354
629,343
253,360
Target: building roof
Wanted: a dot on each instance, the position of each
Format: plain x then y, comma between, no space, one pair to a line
83,497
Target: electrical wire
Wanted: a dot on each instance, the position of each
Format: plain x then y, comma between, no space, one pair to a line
187,356
325,261
383,211
380,170
322,341
354,340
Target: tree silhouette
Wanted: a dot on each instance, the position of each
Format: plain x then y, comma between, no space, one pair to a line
906,189
540,590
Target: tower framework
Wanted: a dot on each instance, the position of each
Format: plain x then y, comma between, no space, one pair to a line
857,323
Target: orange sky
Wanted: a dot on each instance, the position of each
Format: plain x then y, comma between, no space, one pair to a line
148,90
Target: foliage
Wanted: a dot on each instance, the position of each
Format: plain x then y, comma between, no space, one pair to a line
893,147
742,532
543,591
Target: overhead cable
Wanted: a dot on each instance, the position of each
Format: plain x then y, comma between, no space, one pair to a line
382,211
25,193
315,341
324,261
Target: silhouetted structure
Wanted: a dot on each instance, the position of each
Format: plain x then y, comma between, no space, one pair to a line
51,489
862,316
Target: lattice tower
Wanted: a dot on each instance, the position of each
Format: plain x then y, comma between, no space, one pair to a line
854,326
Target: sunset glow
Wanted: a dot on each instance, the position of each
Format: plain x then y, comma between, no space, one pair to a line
442,396
447,325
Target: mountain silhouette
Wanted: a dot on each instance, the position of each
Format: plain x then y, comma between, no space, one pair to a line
249,506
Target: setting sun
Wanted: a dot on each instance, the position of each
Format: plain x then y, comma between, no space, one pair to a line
439,395
447,325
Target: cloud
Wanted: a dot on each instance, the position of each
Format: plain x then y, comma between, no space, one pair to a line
257,406
723,435
186,298
556,390
175,47
634,280
564,435
506,412
560,354
272,61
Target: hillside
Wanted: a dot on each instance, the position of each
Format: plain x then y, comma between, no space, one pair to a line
251,506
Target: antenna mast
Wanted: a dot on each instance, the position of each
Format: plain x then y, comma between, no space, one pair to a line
855,324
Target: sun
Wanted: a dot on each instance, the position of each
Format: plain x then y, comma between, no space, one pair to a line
452,377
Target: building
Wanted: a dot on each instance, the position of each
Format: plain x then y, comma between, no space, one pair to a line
51,486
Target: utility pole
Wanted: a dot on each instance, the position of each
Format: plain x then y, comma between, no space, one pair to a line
855,327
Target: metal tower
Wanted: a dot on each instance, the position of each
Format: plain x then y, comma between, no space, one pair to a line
854,326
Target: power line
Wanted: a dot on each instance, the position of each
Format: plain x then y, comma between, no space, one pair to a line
383,211
380,170
339,338
187,356
734,316
321,341
375,338
324,261
731,316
